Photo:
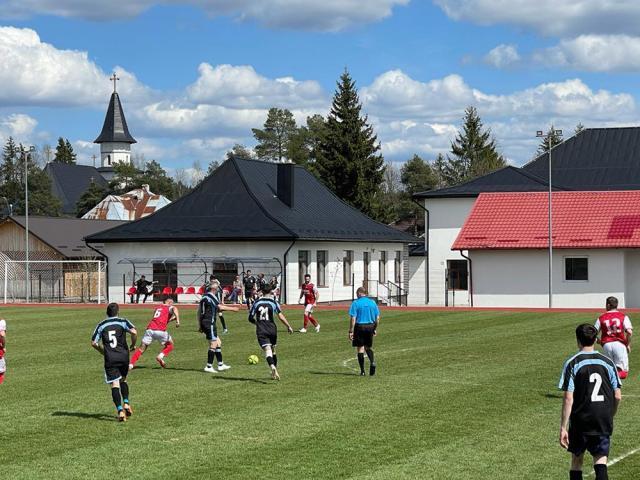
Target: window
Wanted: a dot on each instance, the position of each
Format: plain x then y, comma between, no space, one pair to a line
347,262
321,259
382,268
303,265
397,268
366,260
109,159
576,269
457,277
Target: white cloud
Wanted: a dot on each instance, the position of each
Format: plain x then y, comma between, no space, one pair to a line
318,15
19,126
36,73
503,56
550,17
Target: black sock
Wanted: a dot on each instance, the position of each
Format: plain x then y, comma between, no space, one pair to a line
270,361
575,474
117,398
124,389
601,472
210,355
370,355
275,360
361,361
224,325
219,355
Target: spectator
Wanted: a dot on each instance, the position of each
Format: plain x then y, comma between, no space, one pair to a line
142,289
236,290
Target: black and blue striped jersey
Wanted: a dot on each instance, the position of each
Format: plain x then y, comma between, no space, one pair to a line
208,308
264,309
593,379
112,332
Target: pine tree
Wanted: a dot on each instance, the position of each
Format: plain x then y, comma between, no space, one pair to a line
349,162
90,198
554,136
474,151
156,177
64,152
439,170
274,139
237,151
579,128
9,179
126,178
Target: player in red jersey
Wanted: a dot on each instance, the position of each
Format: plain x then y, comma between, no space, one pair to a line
311,296
157,330
615,336
3,338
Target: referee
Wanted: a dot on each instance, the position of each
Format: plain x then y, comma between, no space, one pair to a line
365,317
591,397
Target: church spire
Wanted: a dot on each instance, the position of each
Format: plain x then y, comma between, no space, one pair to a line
115,127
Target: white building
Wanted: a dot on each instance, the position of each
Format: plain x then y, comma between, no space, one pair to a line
265,217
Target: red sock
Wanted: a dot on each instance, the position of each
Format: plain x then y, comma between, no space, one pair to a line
1,378
167,349
623,374
313,321
136,356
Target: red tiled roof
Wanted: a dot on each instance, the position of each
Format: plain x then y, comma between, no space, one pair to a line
580,220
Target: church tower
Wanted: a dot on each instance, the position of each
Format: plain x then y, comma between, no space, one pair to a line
115,140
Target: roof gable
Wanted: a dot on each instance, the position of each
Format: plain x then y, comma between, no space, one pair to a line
69,182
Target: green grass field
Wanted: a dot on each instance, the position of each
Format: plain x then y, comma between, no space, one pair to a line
459,395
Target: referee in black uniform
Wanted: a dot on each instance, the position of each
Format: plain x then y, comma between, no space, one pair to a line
591,396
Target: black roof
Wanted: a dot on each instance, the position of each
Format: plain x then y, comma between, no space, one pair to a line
69,182
65,235
239,201
594,159
115,125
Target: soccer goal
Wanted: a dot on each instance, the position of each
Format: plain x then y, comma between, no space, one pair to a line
53,281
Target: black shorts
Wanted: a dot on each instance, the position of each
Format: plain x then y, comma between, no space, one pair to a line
363,335
114,372
267,335
597,445
210,331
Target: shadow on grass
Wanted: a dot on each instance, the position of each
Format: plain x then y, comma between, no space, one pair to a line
341,374
86,416
178,369
554,395
242,379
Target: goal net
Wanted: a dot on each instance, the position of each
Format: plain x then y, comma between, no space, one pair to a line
53,281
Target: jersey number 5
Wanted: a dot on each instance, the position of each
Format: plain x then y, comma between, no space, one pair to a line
113,341
595,395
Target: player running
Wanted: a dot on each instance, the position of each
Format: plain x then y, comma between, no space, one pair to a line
157,330
3,342
311,296
591,397
615,336
110,339
207,313
364,320
263,314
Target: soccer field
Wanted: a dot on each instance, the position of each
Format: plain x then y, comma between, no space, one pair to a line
458,395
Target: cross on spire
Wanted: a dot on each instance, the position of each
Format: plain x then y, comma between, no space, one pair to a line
114,79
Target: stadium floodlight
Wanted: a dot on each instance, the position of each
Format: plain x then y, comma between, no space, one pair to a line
549,137
26,155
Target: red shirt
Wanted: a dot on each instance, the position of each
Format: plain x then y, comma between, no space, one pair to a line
613,326
3,328
309,290
161,318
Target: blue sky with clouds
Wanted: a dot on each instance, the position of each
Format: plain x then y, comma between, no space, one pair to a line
196,75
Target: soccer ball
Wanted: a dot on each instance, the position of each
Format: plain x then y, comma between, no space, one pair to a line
253,359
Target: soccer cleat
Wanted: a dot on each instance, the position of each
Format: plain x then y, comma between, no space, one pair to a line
318,328
225,330
131,366
274,374
223,367
372,369
122,417
161,361
209,369
303,330
128,410
362,374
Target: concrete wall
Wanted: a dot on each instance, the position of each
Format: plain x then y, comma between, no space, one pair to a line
417,281
446,217
632,279
519,278
334,290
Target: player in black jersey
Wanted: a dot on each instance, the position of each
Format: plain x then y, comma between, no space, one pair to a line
262,314
110,339
249,283
207,313
591,397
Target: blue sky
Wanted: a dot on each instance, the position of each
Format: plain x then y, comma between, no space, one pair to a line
196,75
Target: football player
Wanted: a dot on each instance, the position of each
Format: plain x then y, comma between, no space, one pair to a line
3,340
615,336
311,296
207,313
157,330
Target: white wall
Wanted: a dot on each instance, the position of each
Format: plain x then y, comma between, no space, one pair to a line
335,290
519,278
632,279
446,217
417,281
116,151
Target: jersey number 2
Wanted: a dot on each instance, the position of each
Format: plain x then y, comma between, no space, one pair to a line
113,341
595,395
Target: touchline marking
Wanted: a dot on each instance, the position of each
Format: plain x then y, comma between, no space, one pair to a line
611,463
345,363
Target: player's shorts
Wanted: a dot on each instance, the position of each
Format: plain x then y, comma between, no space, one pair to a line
363,335
210,331
597,445
114,372
3,365
617,352
308,308
267,335
157,335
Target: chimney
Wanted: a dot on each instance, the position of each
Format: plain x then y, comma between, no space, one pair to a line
285,186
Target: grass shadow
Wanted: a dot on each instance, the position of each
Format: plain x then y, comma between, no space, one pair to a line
342,374
241,379
86,416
